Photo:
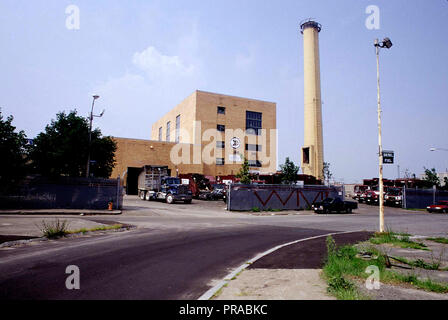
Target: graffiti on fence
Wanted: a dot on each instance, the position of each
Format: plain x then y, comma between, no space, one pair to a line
299,194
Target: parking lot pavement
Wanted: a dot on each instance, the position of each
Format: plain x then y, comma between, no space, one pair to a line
134,206
155,215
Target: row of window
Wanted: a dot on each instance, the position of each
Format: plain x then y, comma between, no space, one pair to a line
249,147
168,131
252,163
254,121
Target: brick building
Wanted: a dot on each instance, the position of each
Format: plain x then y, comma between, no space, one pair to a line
208,134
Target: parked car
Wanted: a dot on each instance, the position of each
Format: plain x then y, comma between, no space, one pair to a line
216,194
330,205
393,197
363,196
358,191
372,197
441,207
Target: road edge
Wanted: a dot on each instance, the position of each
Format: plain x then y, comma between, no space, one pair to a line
212,291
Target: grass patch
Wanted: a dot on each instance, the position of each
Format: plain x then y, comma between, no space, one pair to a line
439,240
341,263
273,210
54,229
345,264
256,209
411,279
397,239
99,228
419,263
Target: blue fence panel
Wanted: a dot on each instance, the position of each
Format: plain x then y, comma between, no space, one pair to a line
64,193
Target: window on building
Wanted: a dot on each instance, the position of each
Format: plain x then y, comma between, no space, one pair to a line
160,134
221,110
306,155
255,163
221,128
220,161
168,131
220,144
177,129
254,122
253,147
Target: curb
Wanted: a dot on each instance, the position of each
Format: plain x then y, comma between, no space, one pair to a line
10,244
211,292
61,212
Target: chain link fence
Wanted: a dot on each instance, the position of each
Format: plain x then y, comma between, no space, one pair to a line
421,198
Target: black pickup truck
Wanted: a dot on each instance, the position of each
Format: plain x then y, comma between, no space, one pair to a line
330,205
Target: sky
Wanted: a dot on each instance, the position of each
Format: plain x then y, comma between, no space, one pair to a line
144,57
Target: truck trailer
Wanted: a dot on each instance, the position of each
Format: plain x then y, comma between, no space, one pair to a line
154,183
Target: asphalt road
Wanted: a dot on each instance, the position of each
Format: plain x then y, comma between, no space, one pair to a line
138,265
177,252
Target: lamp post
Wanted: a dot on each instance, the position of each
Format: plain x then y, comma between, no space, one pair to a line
95,97
386,43
438,149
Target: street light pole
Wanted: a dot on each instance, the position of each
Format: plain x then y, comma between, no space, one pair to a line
380,144
95,97
437,149
386,43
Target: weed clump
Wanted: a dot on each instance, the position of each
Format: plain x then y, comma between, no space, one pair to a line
54,229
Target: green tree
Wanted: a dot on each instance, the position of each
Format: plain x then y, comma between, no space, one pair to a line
445,183
431,177
289,171
62,150
326,173
13,151
244,174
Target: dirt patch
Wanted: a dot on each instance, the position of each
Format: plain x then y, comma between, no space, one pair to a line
396,292
276,284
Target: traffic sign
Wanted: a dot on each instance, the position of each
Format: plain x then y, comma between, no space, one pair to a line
388,157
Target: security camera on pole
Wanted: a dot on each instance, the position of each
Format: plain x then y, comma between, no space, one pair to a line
386,43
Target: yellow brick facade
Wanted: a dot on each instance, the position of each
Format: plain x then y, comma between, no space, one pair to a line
198,137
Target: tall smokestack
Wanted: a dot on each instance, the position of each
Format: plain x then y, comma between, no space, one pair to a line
312,151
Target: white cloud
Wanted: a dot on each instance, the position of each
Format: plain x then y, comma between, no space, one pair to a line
157,64
141,96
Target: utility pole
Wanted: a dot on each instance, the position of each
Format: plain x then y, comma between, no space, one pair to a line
386,43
